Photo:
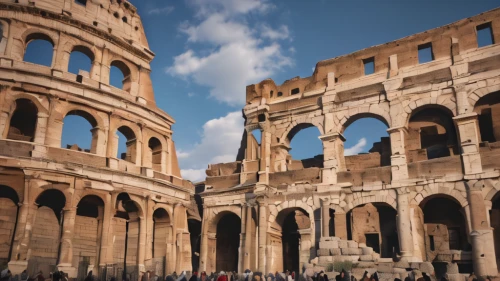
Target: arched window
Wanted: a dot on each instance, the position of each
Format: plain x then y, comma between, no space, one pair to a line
23,121
39,49
154,145
80,61
120,75
487,107
162,231
367,143
306,149
431,134
78,131
127,144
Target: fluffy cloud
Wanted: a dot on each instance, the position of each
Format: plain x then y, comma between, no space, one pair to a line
219,143
230,51
356,149
164,10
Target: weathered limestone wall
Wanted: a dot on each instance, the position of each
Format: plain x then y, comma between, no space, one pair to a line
86,241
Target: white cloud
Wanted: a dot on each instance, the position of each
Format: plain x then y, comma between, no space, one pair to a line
164,10
230,53
356,149
275,34
219,143
194,175
191,95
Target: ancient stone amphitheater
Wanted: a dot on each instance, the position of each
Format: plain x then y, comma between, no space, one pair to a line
79,209
426,198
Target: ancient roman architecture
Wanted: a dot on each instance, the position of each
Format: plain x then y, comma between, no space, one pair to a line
79,209
426,197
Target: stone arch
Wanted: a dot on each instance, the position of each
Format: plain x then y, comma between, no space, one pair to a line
294,127
162,231
78,196
365,112
53,198
219,213
129,70
42,108
434,189
132,134
23,121
135,199
447,105
38,35
388,199
292,204
475,95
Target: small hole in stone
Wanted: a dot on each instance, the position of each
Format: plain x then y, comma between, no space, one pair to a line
94,23
116,15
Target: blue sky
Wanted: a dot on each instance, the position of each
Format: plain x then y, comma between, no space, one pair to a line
207,51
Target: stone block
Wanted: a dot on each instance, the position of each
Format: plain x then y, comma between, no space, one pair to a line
323,252
365,264
335,252
367,250
385,267
351,251
343,244
366,258
452,268
328,244
401,264
427,267
352,244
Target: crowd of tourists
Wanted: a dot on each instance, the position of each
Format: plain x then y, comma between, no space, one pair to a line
6,275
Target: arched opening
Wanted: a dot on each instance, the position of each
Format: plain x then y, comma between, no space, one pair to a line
431,134
162,239
87,234
81,2
445,225
253,147
155,148
8,220
495,223
46,231
375,225
194,227
75,124
227,242
306,150
39,49
119,76
80,62
488,110
294,225
367,143
126,224
127,144
23,121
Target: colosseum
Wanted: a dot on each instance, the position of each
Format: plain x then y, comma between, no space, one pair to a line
424,199
80,209
427,197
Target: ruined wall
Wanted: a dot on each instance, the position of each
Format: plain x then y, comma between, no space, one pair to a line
8,211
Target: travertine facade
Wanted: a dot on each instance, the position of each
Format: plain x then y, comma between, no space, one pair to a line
426,197
72,210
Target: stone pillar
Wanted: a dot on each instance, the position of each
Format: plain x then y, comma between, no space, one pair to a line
19,259
265,157
142,243
399,166
248,238
469,136
41,128
106,250
404,226
263,215
483,252
4,126
333,151
66,252
325,219
98,141
163,161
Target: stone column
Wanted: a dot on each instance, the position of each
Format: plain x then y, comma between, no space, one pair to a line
98,141
483,252
333,151
142,243
204,241
404,225
106,250
19,259
4,126
265,157
41,128
248,238
263,215
66,252
325,219
399,166
469,136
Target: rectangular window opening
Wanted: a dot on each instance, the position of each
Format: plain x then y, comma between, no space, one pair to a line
484,35
369,65
372,240
431,243
425,53
272,94
295,91
280,94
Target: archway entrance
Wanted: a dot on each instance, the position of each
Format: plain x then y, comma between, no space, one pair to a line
445,229
375,225
291,242
228,242
8,220
495,223
291,230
